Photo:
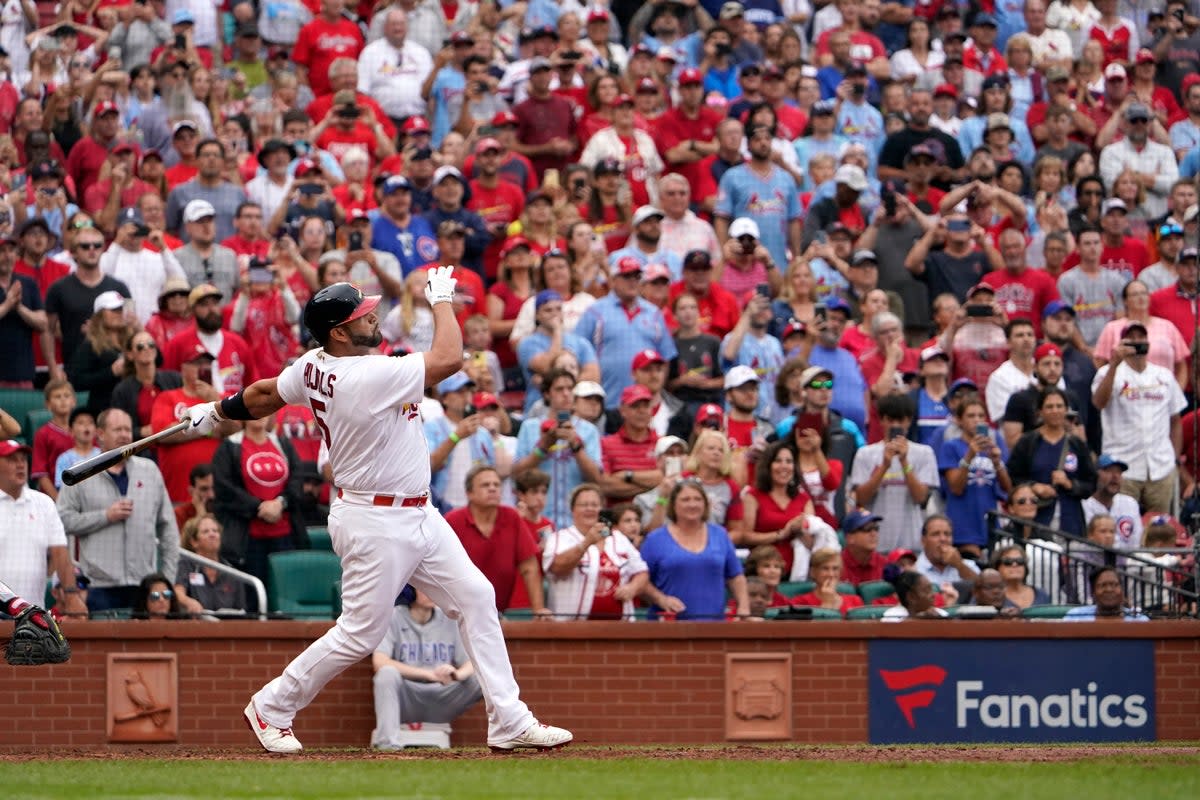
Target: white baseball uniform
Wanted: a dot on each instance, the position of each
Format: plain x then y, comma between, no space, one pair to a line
367,410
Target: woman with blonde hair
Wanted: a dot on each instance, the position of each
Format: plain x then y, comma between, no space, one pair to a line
1128,187
797,297
409,325
200,587
538,224
98,364
587,257
710,465
825,569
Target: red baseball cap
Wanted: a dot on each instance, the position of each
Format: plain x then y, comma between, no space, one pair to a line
503,118
1188,82
689,76
484,400
597,15
709,411
635,393
621,100
647,86
488,143
106,107
1144,56
1047,349
306,166
628,266
896,555
946,89
10,446
512,243
356,214
645,358
416,124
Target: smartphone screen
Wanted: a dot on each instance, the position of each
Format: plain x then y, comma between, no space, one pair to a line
982,430
763,290
820,312
564,416
895,432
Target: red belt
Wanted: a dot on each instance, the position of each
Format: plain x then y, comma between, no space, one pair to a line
393,500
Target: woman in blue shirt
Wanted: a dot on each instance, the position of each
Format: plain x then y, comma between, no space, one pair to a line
974,478
692,561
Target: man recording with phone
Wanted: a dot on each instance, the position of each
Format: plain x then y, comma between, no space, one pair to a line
1139,418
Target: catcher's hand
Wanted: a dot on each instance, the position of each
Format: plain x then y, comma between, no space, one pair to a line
36,640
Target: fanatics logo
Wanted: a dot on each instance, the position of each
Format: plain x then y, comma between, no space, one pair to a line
928,675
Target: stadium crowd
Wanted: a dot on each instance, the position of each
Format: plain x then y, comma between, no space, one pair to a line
763,301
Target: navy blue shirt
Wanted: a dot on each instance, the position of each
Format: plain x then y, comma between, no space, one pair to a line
16,337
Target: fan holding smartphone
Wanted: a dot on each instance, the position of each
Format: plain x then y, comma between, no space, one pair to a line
975,479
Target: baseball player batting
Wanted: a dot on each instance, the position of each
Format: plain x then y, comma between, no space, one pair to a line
383,526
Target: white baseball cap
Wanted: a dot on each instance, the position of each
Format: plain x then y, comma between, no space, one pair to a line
851,175
644,213
665,443
590,389
108,301
197,210
739,376
743,226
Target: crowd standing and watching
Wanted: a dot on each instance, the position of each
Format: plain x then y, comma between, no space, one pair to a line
830,277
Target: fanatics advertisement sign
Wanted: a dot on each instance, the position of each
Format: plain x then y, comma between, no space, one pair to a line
1074,690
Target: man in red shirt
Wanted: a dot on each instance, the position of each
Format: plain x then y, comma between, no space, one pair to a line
90,152
545,122
790,121
248,238
627,456
101,201
860,560
1122,254
981,55
499,202
719,311
327,37
687,134
469,295
185,138
1178,302
343,76
497,541
34,239
346,126
235,364
866,49
1021,292
180,453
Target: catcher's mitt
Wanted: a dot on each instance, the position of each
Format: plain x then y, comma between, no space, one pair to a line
36,640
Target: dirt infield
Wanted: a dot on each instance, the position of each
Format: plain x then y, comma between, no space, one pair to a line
733,752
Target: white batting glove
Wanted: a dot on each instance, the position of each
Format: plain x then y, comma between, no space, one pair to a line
440,288
204,418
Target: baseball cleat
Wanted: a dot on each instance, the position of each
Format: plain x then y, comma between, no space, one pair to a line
538,737
274,740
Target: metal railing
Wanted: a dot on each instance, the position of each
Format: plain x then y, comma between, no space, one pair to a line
260,590
1059,564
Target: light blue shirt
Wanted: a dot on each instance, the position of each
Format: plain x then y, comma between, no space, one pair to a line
1185,135
618,335
863,124
970,137
448,84
539,342
808,147
849,386
773,203
1088,614
764,355
559,464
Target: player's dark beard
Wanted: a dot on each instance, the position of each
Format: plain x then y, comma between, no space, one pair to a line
373,339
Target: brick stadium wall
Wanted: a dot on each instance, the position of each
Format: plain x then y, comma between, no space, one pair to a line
609,682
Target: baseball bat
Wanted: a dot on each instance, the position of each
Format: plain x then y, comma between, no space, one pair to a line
110,458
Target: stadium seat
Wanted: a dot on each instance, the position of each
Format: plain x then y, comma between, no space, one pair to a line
34,420
519,613
1049,611
792,589
867,612
846,587
18,403
299,583
319,539
870,591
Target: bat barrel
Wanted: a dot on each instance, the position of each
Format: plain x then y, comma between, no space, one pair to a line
110,458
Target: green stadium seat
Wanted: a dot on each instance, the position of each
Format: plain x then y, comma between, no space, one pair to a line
791,589
319,539
18,403
34,420
870,591
1049,611
867,612
519,614
300,583
846,587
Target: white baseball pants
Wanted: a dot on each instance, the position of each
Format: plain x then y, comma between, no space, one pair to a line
382,549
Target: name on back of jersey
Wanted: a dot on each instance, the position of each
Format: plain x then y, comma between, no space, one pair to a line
319,381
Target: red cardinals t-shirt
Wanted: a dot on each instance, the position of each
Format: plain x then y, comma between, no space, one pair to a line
235,368
1024,296
338,142
176,460
265,476
319,43
500,204
1128,258
605,605
675,126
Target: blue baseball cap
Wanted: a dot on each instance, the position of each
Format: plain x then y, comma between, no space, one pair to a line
1055,306
962,383
133,216
459,380
835,303
858,519
1106,460
395,183
183,16
546,296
